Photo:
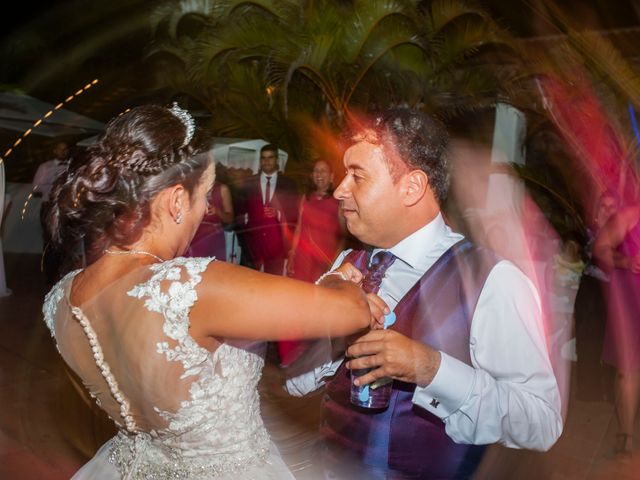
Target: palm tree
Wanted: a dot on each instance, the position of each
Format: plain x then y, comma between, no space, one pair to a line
266,65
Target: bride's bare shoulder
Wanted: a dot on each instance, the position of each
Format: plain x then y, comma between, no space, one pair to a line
230,272
102,277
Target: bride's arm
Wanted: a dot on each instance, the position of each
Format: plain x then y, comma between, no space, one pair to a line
237,302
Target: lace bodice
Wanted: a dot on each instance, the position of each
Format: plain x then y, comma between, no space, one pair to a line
183,411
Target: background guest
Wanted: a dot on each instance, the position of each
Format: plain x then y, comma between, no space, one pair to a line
618,247
594,378
209,239
564,272
318,238
320,232
268,210
43,180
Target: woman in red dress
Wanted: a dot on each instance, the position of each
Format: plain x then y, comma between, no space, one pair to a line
319,234
318,238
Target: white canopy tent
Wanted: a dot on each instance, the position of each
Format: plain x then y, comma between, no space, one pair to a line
18,113
87,142
242,153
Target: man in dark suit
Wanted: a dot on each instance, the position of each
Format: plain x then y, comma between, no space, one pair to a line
269,211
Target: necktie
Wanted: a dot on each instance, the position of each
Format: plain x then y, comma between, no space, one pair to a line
379,264
267,193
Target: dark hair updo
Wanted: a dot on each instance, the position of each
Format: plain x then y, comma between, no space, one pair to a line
104,198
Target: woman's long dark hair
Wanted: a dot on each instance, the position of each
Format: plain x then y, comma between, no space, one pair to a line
104,198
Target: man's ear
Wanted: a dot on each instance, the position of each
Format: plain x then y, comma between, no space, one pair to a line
416,185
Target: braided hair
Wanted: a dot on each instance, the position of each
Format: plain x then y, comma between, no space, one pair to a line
104,198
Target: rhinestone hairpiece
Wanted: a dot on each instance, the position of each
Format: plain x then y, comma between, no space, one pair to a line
186,119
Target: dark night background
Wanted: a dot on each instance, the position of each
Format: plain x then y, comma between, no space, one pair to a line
41,42
37,35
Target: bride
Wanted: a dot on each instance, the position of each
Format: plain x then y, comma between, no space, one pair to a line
155,337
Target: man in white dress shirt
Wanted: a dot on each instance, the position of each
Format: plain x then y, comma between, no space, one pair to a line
43,180
50,170
467,353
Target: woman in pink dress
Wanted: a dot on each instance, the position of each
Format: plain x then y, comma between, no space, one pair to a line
318,238
618,247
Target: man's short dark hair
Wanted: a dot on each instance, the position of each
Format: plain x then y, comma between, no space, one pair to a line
410,139
269,147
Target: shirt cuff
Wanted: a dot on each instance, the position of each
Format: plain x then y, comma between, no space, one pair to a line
328,370
448,390
311,381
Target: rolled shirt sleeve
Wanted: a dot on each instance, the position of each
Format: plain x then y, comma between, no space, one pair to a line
510,394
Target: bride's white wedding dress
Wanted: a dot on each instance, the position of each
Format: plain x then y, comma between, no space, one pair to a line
183,411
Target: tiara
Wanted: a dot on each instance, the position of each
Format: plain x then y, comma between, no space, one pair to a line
186,119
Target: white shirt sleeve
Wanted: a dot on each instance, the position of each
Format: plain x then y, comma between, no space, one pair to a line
510,395
312,380
41,177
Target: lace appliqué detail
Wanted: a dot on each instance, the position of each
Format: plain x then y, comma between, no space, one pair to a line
217,428
174,305
52,299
